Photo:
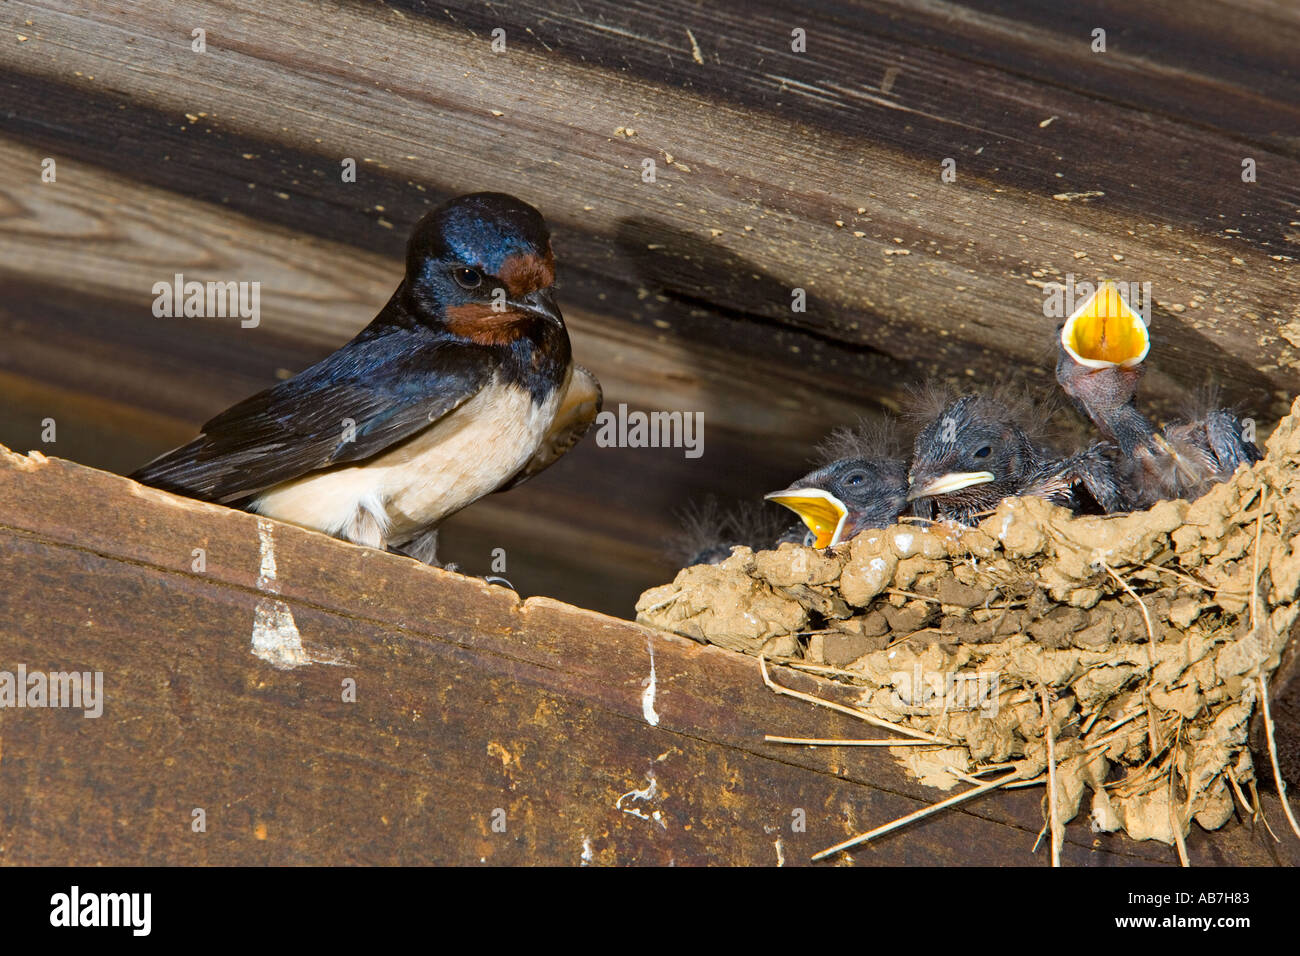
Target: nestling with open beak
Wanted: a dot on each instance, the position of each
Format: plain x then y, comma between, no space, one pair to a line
863,486
463,384
1101,350
977,450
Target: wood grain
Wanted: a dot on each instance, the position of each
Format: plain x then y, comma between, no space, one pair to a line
106,343
679,291
469,702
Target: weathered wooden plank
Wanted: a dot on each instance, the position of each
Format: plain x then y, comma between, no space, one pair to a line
315,294
468,701
971,246
1200,62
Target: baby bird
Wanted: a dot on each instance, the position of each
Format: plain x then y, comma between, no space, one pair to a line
977,451
1101,350
709,532
864,485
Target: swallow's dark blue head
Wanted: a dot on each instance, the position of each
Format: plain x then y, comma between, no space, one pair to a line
482,264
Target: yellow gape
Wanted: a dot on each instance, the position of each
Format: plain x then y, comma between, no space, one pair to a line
821,511
1105,331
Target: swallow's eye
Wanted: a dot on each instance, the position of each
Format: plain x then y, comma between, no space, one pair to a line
984,452
855,479
468,278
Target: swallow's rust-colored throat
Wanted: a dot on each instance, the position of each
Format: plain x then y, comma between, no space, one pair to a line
482,324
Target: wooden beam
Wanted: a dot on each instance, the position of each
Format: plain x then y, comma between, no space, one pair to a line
967,293
593,739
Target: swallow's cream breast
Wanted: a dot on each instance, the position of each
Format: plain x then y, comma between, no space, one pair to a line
413,486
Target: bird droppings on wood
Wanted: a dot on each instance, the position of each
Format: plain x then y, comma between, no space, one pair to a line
1147,629
651,688
275,633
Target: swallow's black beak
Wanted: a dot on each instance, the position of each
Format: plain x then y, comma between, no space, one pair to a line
540,303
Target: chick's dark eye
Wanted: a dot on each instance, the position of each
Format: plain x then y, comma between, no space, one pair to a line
468,278
856,478
983,452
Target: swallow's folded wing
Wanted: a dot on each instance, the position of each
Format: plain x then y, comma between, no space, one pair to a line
578,409
369,395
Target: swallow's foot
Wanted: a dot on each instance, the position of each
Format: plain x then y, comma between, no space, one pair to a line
423,548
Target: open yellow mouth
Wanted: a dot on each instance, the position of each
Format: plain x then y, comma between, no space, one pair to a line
1105,331
821,511
946,484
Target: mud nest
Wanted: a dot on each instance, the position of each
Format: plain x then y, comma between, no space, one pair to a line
1146,637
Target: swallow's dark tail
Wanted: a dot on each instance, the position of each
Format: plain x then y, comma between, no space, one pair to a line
182,471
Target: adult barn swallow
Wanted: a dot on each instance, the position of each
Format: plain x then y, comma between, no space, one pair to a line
1101,350
863,486
977,451
463,384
